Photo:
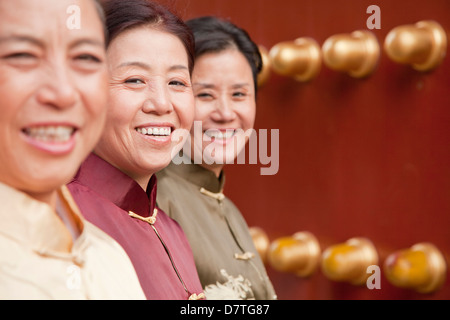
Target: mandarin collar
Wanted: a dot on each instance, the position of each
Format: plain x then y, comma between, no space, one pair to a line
199,176
35,223
116,186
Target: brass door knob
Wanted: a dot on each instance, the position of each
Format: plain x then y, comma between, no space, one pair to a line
261,242
348,262
421,267
300,59
264,75
422,45
298,254
356,53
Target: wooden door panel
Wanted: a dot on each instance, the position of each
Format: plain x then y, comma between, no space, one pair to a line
358,157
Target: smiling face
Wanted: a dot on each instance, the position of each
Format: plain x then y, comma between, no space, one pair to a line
150,97
225,104
53,89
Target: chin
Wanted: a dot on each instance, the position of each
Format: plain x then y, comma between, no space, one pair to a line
158,164
36,187
54,172
218,159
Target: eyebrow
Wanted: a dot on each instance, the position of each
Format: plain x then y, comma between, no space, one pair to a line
240,85
28,39
39,43
138,64
88,41
211,86
147,67
204,85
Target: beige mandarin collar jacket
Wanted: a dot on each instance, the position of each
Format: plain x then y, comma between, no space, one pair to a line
39,259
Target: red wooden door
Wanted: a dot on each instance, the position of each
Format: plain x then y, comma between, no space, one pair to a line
357,157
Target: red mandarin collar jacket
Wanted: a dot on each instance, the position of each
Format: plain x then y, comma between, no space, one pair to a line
106,196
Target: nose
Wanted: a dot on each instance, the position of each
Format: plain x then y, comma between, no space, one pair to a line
158,101
224,111
58,89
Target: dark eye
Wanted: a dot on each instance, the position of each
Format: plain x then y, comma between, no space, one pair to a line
88,58
204,95
21,59
20,55
238,94
134,81
177,83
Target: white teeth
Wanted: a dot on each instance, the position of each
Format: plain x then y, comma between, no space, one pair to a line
155,131
50,133
219,134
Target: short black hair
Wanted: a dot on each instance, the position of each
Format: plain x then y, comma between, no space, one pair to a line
124,15
213,34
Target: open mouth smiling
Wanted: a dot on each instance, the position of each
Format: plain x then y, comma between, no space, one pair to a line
155,131
220,134
51,133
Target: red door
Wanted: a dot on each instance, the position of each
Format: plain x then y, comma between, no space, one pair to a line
358,157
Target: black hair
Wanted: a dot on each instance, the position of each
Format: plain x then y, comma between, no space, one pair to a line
213,34
124,15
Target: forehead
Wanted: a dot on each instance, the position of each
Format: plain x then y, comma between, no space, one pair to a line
146,43
41,17
226,65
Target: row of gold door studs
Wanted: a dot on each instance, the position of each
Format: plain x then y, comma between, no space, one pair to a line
422,46
421,268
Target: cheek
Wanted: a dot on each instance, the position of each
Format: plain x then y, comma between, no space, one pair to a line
94,92
248,116
202,110
94,97
122,106
15,89
9,107
185,109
